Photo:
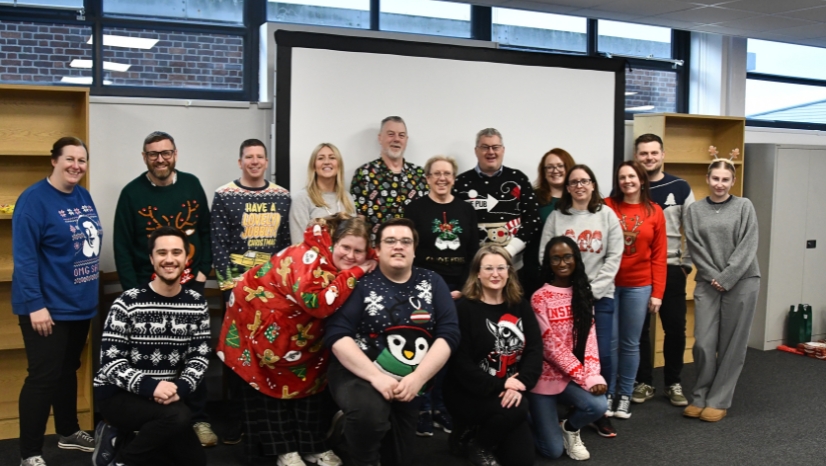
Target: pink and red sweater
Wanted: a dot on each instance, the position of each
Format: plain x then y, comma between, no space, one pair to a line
552,306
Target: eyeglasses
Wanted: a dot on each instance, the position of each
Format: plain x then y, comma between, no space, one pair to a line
496,148
488,269
166,154
438,175
583,182
392,241
556,260
559,167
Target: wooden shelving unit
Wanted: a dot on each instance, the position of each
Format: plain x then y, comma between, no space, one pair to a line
686,139
32,118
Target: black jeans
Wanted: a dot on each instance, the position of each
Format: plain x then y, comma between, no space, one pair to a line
374,428
197,400
53,362
672,316
165,435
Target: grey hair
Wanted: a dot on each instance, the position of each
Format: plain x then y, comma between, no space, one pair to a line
441,158
393,118
489,132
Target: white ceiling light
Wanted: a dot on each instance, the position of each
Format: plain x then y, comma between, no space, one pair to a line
81,80
107,65
127,42
630,93
642,108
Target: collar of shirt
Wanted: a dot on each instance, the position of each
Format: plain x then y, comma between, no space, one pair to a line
174,178
481,173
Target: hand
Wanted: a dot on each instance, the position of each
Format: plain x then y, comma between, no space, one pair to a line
165,390
200,277
510,398
654,305
455,295
408,387
368,266
512,383
717,286
169,400
599,389
42,322
385,385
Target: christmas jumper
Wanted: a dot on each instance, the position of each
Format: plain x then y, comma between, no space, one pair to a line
448,237
148,338
722,238
248,226
272,332
143,208
498,341
381,194
303,211
644,255
505,205
56,249
673,195
552,306
600,240
396,324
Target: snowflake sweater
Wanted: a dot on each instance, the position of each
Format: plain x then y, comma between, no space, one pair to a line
552,306
505,205
248,226
148,338
395,324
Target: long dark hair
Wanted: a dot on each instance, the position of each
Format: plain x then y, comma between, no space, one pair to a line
582,301
645,187
566,202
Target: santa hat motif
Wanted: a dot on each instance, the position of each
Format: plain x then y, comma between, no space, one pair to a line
512,323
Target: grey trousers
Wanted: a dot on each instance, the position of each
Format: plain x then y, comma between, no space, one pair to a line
722,321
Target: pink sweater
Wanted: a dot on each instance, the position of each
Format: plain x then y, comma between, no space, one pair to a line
552,306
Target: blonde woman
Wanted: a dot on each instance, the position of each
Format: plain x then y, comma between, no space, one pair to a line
325,193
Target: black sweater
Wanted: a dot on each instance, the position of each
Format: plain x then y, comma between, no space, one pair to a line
483,361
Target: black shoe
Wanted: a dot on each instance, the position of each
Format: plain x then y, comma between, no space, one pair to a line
458,440
604,427
478,456
233,435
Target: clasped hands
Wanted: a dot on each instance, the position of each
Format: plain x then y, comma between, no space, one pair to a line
717,286
511,395
166,393
400,390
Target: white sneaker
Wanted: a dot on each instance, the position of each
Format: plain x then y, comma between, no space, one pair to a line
623,408
573,444
290,459
33,461
328,458
610,411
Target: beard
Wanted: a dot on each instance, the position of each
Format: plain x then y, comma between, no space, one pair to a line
162,173
168,281
394,154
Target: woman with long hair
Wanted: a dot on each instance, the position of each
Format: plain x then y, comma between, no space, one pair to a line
640,281
498,360
272,337
570,372
722,237
582,216
325,193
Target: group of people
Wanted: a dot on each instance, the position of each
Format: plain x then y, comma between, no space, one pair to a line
508,314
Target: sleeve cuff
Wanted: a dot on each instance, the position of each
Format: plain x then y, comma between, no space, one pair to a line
183,388
147,387
35,305
593,380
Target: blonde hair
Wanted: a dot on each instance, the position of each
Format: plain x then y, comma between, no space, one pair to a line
722,163
441,158
312,181
473,286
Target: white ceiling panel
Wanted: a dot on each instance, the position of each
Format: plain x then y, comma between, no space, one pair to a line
764,23
773,6
812,14
645,7
708,15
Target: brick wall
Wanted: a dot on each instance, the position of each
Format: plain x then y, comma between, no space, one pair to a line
653,87
41,53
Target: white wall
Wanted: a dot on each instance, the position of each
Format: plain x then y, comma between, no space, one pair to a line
207,134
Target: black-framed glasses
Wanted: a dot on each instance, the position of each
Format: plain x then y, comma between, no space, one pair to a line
560,167
495,148
583,182
556,260
166,154
392,241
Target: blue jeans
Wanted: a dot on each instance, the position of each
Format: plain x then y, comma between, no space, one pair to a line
433,400
604,326
632,306
587,409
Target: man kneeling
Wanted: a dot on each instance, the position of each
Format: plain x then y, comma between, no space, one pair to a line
153,354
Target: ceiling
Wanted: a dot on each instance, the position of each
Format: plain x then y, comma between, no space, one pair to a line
793,21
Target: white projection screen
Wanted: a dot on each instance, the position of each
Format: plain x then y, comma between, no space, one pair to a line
337,89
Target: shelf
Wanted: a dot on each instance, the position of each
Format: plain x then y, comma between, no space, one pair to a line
6,272
705,163
25,153
6,216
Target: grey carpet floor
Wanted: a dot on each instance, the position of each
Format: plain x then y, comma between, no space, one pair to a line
778,418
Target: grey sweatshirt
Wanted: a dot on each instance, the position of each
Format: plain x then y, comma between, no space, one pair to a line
722,239
600,240
303,210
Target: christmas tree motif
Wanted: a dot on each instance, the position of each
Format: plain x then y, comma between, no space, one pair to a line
233,339
296,285
310,299
272,332
300,371
447,238
245,358
265,267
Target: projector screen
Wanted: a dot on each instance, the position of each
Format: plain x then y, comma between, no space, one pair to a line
337,89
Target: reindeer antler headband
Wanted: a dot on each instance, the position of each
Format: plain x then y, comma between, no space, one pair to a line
731,156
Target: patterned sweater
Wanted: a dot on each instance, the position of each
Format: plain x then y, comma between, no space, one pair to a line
552,306
249,225
148,338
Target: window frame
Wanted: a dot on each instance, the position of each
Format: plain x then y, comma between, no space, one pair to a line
785,80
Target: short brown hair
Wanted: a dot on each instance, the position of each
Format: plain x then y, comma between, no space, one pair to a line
343,224
57,147
250,143
647,137
473,287
156,136
594,205
398,222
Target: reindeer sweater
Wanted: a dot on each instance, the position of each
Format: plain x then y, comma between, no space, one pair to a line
148,338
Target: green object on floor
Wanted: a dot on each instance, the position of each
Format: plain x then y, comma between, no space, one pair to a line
799,325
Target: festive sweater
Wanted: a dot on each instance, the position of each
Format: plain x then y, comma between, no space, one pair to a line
248,226
552,306
498,342
722,239
143,208
505,205
381,194
303,211
673,195
395,324
600,240
448,237
56,240
148,338
644,256
273,328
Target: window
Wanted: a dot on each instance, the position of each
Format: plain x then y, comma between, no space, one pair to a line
650,91
786,59
634,39
73,4
342,13
776,101
540,30
224,11
425,17
41,53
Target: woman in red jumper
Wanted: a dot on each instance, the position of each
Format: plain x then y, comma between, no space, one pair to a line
564,308
640,281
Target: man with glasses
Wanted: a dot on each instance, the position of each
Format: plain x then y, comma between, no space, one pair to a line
382,188
163,196
503,197
394,333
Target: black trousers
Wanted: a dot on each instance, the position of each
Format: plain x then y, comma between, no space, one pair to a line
165,435
672,315
374,429
197,400
51,382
